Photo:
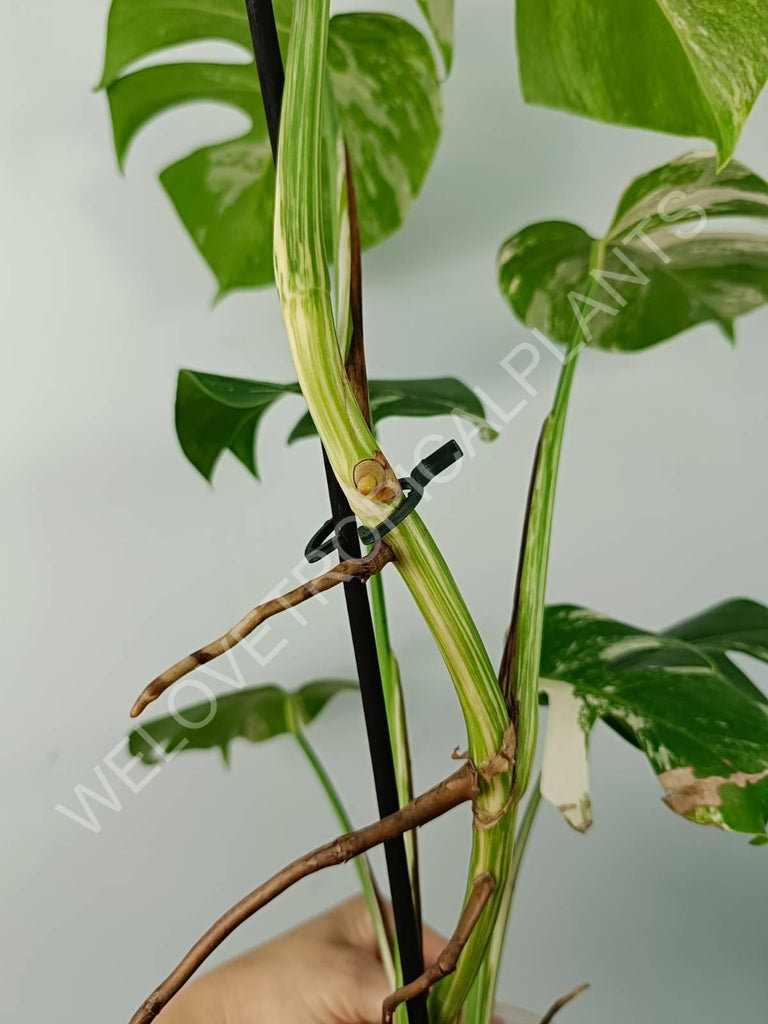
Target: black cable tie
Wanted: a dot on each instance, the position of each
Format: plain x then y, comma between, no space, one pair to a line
326,540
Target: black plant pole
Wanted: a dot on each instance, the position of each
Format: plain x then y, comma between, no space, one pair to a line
272,78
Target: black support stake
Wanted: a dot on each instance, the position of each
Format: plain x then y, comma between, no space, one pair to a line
272,78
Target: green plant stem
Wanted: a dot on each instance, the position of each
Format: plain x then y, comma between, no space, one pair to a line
530,623
303,284
524,832
302,277
362,865
479,1006
529,626
333,140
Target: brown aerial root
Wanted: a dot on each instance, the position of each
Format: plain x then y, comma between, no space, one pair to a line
552,1012
352,569
459,788
446,963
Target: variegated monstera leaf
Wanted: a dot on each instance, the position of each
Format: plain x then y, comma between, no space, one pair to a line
256,715
689,67
387,96
677,695
659,270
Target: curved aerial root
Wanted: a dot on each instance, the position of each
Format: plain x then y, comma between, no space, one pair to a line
352,569
552,1012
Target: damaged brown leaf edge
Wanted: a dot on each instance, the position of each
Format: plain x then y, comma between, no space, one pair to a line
699,798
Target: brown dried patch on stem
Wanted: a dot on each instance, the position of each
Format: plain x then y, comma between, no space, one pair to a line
355,363
482,888
352,569
504,759
461,787
552,1012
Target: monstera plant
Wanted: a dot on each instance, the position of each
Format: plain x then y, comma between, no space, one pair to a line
345,116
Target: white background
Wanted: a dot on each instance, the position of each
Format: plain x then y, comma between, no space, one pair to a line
118,558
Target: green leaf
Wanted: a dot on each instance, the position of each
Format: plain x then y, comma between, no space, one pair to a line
388,94
137,28
385,85
256,715
660,271
738,625
216,413
735,625
439,15
705,737
430,396
678,66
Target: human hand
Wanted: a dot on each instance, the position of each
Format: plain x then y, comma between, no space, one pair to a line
326,971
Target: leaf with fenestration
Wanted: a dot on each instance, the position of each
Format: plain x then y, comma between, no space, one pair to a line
216,413
736,625
385,84
657,272
705,736
669,65
430,396
256,715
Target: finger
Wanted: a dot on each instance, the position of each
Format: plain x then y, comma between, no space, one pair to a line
362,989
350,923
433,943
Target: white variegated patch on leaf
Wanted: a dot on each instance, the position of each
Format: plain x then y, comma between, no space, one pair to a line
658,271
387,93
439,14
676,695
565,768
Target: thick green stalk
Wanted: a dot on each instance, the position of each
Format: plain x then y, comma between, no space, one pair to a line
535,558
302,278
479,1005
335,164
529,626
524,832
533,579
362,865
525,668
